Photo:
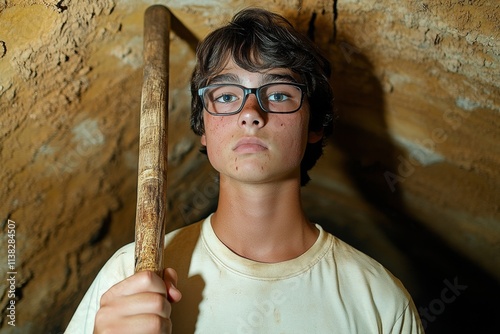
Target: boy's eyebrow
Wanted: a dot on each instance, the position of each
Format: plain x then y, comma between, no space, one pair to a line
224,78
230,78
274,77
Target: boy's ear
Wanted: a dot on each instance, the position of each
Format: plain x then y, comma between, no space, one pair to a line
203,140
315,136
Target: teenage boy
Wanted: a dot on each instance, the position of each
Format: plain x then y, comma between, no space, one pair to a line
262,105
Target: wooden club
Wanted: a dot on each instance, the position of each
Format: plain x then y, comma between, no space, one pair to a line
152,167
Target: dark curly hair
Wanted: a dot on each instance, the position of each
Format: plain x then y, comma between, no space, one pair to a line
258,40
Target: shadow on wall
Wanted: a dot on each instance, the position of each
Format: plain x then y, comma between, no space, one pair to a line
450,292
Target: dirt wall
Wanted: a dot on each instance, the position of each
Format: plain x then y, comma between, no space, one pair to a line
411,175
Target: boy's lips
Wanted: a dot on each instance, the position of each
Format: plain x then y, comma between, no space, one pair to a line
249,145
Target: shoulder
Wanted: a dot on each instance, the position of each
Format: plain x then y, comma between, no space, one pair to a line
184,234
365,276
355,263
121,264
367,287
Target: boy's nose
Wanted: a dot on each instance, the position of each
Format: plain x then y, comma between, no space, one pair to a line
251,114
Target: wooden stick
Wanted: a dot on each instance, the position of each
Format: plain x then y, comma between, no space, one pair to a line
152,169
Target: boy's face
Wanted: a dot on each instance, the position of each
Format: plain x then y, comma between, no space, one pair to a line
254,146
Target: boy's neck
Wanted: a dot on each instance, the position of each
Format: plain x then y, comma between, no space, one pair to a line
265,222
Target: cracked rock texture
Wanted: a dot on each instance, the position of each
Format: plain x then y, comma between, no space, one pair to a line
411,175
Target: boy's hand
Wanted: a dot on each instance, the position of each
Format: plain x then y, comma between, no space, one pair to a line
138,304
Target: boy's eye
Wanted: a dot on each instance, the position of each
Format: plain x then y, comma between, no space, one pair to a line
278,97
226,98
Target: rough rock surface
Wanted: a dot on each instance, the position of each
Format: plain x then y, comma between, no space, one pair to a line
411,175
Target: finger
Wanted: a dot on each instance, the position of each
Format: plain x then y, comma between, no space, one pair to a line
144,281
141,323
145,303
170,277
148,324
142,303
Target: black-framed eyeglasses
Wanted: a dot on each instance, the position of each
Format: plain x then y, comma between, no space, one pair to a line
229,99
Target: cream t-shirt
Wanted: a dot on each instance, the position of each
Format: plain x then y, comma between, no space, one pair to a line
331,288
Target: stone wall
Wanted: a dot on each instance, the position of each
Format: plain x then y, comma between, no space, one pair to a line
411,175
